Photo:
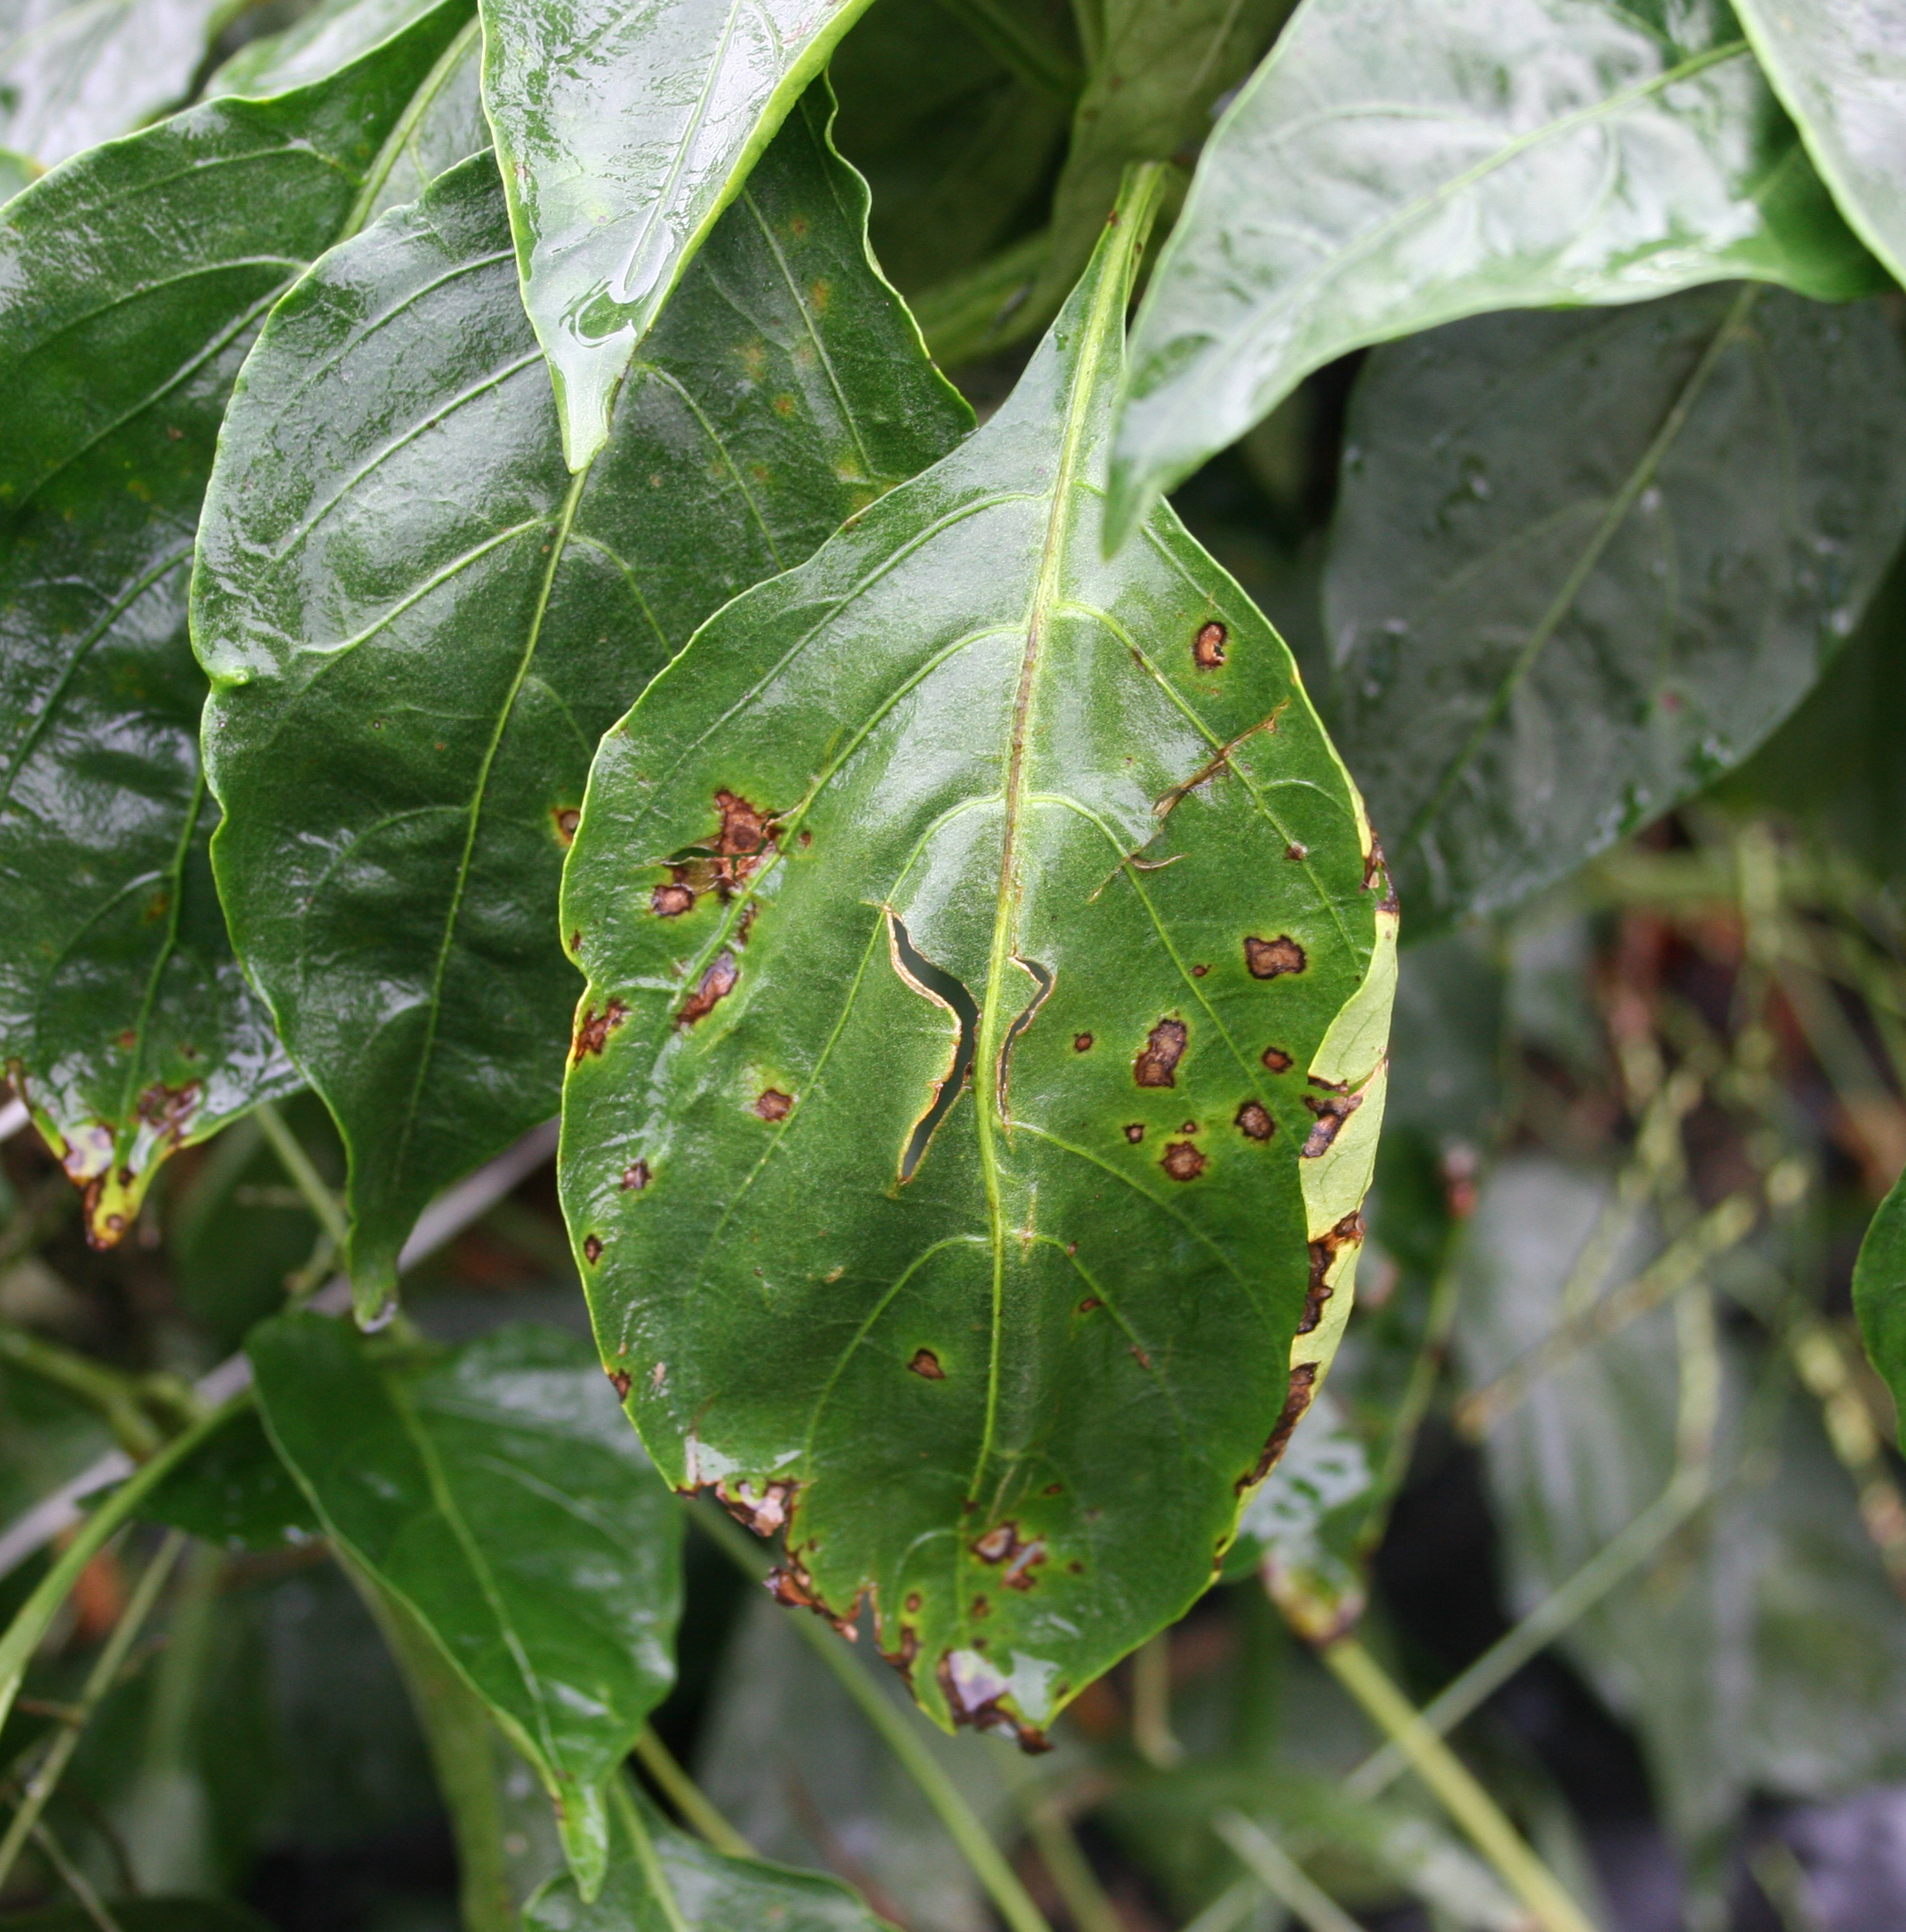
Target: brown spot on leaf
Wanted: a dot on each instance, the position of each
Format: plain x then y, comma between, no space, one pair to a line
913,1603
567,818
592,1250
1157,1061
1296,1399
1182,1161
1135,1132
789,1583
169,1110
672,900
1004,1544
1254,1120
981,1608
593,1029
1208,647
1348,1233
1188,1126
128,1039
1376,868
620,1381
1332,1109
718,983
1268,958
773,1105
763,1510
1296,853
1089,1303
926,1363
1276,1059
1139,1355
1055,1488
636,1177
807,839
1199,972
746,838
1081,1043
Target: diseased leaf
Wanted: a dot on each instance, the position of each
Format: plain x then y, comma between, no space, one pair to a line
501,1496
661,1880
625,127
963,914
1839,67
1879,1292
1163,65
1583,562
74,73
1389,167
130,282
417,623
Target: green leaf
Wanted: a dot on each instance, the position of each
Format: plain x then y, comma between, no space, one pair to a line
625,127
502,1498
957,793
1149,97
1879,1292
74,73
130,280
417,623
1839,67
234,1492
1583,562
1390,168
329,37
661,1880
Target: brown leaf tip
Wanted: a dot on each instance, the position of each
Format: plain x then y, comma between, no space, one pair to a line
1268,958
1208,647
1157,1061
593,1029
926,1363
1254,1120
773,1105
1182,1161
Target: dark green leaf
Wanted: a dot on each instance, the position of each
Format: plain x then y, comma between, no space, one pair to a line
143,1915
1389,168
1839,67
417,623
235,1493
329,37
1585,562
129,283
661,1880
624,128
987,794
1879,1292
502,1498
73,72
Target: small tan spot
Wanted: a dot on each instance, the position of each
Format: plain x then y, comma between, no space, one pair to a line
913,1603
593,1029
1089,1303
1208,647
1254,1121
1081,1043
591,1250
671,901
926,1363
1188,1127
1135,1132
621,1382
1199,972
636,1177
1295,852
773,1105
718,983
1182,1161
1268,958
567,818
1276,1059
1157,1061
1055,1488
1139,1355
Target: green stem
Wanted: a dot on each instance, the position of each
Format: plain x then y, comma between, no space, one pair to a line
1449,1779
75,1881
1280,1875
1152,1704
114,1396
897,1730
690,1801
35,1616
623,1800
304,1176
100,1680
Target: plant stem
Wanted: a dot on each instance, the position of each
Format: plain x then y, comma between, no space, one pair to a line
1454,1788
114,1396
689,1801
1152,1704
896,1730
91,1535
622,1801
100,1680
304,1176
1280,1875
1230,1908
75,1881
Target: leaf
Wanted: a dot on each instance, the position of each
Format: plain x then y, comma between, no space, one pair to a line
1389,168
399,578
1164,65
74,73
1583,562
332,34
1879,1292
1300,1529
625,127
957,790
502,1499
1840,69
235,1493
661,1880
130,280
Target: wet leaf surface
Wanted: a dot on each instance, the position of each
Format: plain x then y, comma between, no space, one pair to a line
130,283
1584,562
625,127
1839,67
319,43
1385,170
502,1497
417,623
958,949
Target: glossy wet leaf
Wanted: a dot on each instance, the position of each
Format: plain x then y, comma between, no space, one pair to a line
236,1493
417,623
625,127
1583,562
961,1335
661,1880
1839,67
130,282
1163,64
330,36
501,1496
1879,1292
73,72
1391,167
